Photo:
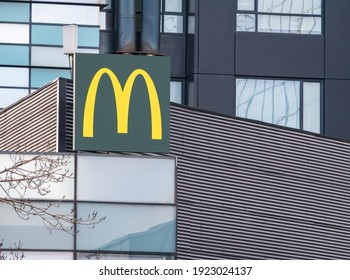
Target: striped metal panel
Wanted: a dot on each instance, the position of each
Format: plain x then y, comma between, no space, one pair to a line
69,115
31,123
247,190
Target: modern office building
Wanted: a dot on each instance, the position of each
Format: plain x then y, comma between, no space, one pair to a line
262,149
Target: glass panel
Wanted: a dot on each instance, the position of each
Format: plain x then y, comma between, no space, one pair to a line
312,7
14,55
286,24
173,6
133,228
176,92
245,22
49,56
89,36
14,77
41,77
65,14
58,191
9,96
47,35
191,25
272,101
246,5
312,107
122,179
100,256
173,24
14,12
32,233
28,255
14,33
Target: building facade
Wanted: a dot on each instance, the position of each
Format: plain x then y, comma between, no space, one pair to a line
262,149
244,189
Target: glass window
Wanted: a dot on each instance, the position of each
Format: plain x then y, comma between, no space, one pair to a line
41,76
49,56
14,77
311,7
176,92
29,255
10,95
65,14
245,22
47,35
32,233
101,256
280,16
173,24
129,228
311,106
58,191
14,55
172,17
14,33
289,24
173,6
245,5
14,12
122,179
272,101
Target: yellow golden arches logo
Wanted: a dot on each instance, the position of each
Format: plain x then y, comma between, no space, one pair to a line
122,101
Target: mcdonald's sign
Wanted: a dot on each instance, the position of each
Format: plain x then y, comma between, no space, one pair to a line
121,103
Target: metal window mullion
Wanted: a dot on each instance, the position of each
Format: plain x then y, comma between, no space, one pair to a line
256,14
301,105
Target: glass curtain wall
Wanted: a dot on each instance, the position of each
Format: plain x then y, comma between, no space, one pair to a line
31,42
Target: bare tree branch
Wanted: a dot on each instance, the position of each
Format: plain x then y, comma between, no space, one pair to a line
35,175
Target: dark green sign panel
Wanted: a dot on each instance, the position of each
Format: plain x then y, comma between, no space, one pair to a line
121,103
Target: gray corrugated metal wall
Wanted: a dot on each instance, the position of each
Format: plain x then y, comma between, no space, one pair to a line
252,191
31,123
245,190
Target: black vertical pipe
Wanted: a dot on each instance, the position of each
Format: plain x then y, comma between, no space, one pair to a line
150,26
126,29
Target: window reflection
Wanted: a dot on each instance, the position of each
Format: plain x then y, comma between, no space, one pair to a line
311,7
281,16
173,6
289,24
246,22
173,24
245,5
273,101
129,228
176,92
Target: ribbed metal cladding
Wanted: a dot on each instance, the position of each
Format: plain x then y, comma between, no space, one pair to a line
69,116
31,123
246,190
